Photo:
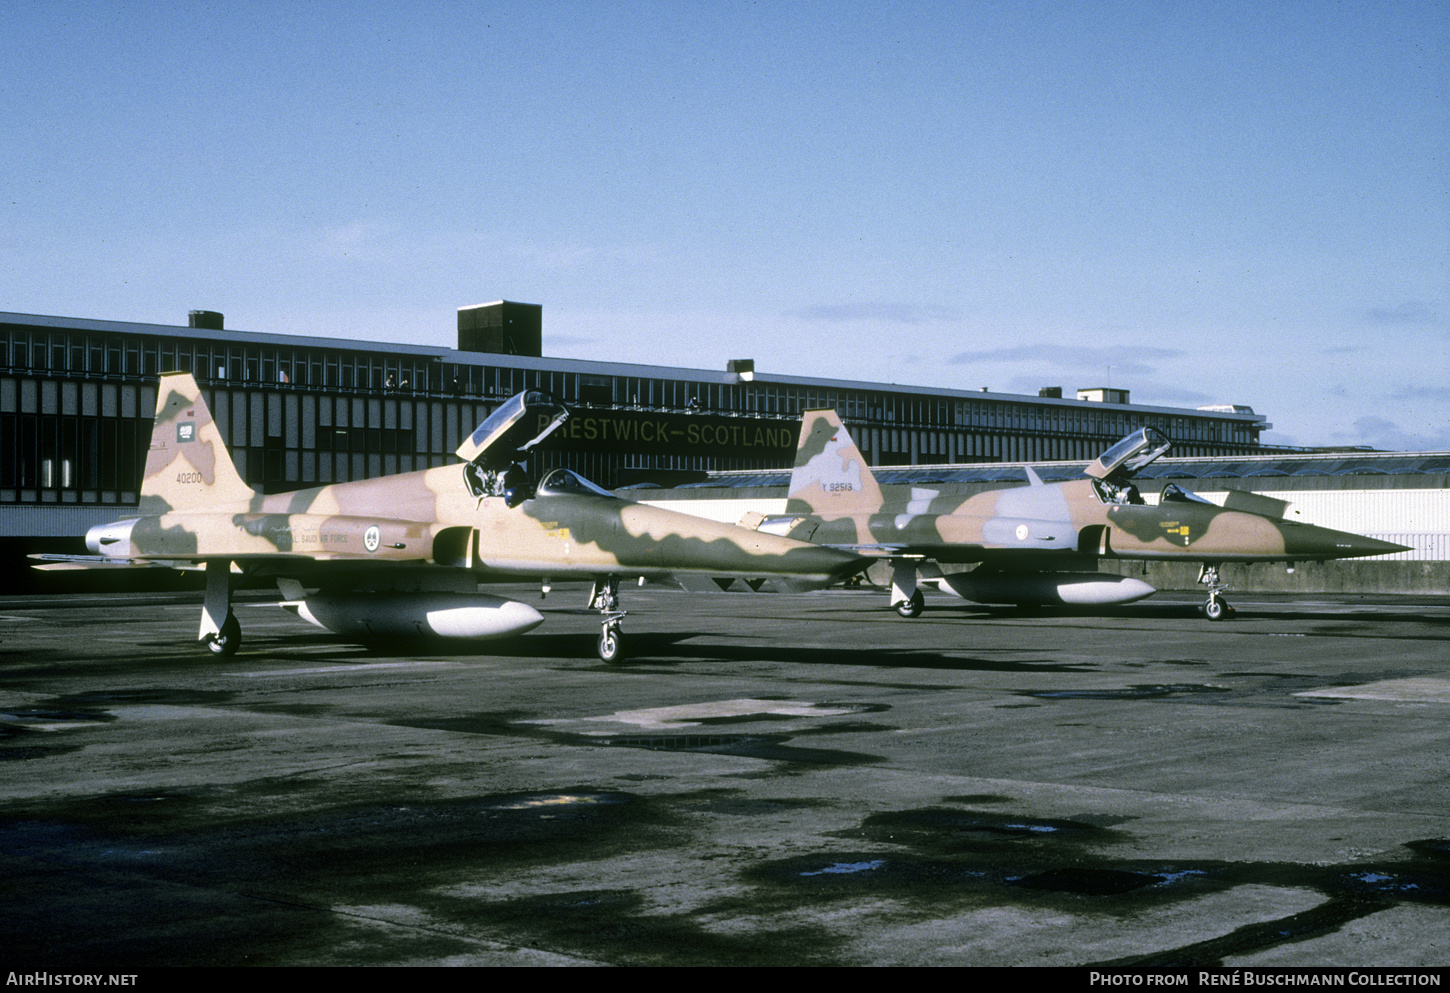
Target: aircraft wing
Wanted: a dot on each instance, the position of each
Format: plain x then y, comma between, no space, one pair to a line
274,563
957,553
880,550
56,562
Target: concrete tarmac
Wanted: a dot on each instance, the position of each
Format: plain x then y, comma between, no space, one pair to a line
765,780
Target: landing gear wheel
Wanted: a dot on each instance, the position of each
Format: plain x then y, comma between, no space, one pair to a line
1217,608
227,640
611,643
911,607
604,597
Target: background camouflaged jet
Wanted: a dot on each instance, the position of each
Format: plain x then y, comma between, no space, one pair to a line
1027,538
401,555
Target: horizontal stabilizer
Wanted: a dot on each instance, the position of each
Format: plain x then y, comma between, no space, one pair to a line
52,562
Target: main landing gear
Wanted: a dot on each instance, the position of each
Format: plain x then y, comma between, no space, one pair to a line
220,632
604,597
1217,608
906,596
226,639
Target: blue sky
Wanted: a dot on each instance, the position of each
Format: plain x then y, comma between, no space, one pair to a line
1230,202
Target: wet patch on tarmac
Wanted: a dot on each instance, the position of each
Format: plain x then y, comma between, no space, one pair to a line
1295,690
849,727
28,733
957,860
941,887
177,883
1353,892
158,696
642,660
1157,665
21,744
1324,919
730,804
362,851
30,718
506,723
1140,691
940,829
371,833
823,708
979,798
1090,882
616,926
1287,676
766,747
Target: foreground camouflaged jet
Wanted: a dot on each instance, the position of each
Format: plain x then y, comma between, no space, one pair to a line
402,555
1027,540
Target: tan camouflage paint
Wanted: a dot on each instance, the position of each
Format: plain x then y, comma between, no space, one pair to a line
838,502
196,508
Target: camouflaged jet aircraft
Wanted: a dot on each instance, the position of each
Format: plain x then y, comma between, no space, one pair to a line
402,555
1028,540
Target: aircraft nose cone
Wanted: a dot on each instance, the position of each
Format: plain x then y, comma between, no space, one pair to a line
1373,546
1310,542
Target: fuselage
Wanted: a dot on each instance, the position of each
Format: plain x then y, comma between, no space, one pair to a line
1073,518
430,517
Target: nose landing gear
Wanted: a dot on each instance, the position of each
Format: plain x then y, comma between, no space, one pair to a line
1217,608
604,597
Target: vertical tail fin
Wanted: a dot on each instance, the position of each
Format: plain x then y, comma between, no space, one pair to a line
830,475
188,466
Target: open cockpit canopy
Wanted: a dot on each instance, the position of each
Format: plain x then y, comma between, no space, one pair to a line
496,447
520,423
1129,455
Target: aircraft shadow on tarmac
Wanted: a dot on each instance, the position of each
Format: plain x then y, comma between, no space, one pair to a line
1178,610
648,649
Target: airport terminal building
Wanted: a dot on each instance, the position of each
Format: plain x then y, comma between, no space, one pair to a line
77,397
